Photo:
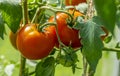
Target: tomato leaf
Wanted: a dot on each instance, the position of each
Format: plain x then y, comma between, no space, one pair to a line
106,9
2,27
12,13
46,67
118,18
90,33
118,55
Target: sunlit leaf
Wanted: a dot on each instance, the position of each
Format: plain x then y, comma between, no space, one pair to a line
90,33
12,13
106,9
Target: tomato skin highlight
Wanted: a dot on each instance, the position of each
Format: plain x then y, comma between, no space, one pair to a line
73,2
33,44
68,36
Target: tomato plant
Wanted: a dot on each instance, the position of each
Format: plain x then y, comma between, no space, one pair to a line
80,35
74,2
34,44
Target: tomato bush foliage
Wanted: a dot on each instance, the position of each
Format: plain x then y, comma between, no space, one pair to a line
53,32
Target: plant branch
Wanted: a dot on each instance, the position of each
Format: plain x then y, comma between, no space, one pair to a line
25,11
56,11
58,37
111,49
22,66
41,27
85,66
25,21
36,15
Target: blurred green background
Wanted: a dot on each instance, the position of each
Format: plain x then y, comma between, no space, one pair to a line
10,62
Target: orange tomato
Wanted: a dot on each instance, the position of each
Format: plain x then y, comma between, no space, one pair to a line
34,44
12,37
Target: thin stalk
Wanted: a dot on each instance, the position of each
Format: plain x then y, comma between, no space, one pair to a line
25,21
32,73
111,49
41,27
58,37
90,72
85,66
22,66
36,15
25,11
119,69
56,11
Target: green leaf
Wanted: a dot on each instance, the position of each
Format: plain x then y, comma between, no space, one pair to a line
118,55
2,27
11,13
118,18
106,9
90,33
46,67
67,57
108,39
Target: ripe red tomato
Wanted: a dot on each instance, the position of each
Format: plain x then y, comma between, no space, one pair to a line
73,2
12,37
68,36
33,44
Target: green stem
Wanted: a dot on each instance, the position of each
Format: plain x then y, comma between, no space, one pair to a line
36,15
25,11
22,66
58,37
56,11
32,73
85,66
25,21
40,28
111,49
90,72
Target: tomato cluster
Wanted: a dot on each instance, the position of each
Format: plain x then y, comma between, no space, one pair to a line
36,45
68,36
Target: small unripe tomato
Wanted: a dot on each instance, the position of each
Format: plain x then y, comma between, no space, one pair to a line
12,37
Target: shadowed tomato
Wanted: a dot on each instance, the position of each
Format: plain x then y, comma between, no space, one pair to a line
12,38
73,2
33,44
68,36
